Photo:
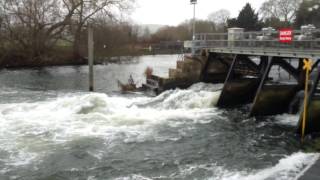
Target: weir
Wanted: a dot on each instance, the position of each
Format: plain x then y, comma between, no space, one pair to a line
241,82
274,97
246,63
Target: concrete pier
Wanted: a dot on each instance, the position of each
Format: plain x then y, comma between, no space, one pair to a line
208,68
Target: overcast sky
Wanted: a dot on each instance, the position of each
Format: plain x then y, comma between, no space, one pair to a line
173,12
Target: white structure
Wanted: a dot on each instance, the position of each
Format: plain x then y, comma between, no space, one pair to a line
235,34
306,32
194,2
266,34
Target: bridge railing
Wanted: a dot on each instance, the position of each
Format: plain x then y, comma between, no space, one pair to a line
300,41
302,45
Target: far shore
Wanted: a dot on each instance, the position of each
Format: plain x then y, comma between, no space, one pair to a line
67,61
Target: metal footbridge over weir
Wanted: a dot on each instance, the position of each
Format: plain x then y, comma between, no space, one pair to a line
305,43
250,81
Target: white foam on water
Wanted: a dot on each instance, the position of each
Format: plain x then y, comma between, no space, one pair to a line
200,95
134,177
8,91
187,99
287,119
29,129
288,168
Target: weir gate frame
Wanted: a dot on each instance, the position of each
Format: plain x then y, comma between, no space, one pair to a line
263,96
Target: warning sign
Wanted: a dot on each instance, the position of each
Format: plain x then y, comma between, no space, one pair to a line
286,35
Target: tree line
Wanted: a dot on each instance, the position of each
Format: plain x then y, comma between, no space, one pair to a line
43,30
54,31
272,13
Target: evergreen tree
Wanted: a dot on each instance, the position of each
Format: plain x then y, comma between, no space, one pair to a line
248,19
232,22
308,13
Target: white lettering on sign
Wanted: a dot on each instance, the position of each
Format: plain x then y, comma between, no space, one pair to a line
286,35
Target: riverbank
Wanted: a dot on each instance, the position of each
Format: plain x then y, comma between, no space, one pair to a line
66,59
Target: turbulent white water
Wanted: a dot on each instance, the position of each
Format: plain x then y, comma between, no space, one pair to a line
28,127
288,119
288,168
31,131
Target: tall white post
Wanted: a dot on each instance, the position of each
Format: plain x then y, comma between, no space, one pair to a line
193,48
194,22
91,57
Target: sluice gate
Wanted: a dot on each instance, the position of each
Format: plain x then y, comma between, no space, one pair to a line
246,62
241,83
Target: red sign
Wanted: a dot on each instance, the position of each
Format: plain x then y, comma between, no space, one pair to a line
286,35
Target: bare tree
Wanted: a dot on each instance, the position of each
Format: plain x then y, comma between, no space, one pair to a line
219,17
1,17
1,20
88,10
285,10
34,26
1,34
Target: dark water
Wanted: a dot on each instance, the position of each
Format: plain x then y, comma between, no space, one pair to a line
53,129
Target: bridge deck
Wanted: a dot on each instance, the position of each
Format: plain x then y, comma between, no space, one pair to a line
303,45
290,53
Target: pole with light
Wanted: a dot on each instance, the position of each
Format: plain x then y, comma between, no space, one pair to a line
193,2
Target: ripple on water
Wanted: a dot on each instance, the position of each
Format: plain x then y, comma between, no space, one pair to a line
178,134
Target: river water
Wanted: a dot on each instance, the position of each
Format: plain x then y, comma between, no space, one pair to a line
51,128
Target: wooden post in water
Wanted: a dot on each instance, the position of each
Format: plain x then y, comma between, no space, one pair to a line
91,57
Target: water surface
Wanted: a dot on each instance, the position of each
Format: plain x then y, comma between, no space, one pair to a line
53,129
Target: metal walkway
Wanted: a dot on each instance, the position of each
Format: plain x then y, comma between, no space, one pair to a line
305,43
246,81
290,53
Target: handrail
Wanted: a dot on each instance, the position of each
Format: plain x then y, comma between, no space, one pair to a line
255,40
255,32
304,42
